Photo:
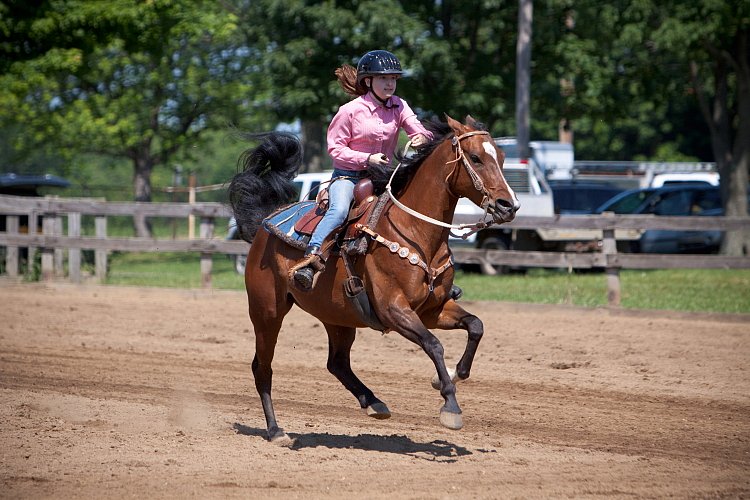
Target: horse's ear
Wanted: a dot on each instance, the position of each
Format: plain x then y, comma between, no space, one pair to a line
471,122
458,127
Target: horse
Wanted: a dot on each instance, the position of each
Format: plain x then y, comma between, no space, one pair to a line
406,271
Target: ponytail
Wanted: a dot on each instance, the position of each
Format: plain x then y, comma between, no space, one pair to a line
347,78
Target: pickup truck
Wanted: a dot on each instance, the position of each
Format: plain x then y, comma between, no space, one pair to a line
537,200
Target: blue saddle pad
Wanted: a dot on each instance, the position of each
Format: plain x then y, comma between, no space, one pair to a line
281,223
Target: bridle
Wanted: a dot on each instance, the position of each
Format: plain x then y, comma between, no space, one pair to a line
406,252
476,180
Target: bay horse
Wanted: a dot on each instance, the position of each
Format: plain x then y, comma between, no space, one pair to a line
407,271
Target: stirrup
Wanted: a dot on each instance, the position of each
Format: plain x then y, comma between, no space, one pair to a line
304,274
305,277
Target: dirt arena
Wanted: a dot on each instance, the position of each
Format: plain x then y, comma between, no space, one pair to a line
114,392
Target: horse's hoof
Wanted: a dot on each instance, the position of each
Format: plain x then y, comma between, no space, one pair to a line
378,410
436,380
281,438
450,420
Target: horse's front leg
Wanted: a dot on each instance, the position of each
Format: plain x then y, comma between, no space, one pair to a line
406,322
454,317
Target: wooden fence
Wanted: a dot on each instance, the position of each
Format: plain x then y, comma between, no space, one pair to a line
52,243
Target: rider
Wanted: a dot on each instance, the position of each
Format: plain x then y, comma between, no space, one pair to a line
363,133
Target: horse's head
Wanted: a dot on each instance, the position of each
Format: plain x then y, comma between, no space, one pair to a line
477,173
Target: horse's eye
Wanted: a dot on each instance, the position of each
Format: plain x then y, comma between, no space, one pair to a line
475,159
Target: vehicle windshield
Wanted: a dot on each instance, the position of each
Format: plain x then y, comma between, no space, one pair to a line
628,203
582,199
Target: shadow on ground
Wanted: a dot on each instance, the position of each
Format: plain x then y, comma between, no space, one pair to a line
433,450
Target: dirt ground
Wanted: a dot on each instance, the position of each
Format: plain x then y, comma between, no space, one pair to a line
147,393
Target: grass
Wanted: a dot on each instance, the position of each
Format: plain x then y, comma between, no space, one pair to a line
170,270
708,290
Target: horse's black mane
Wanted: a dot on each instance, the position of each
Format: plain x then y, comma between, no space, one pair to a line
381,174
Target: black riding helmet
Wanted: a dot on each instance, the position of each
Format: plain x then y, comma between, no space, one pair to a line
378,62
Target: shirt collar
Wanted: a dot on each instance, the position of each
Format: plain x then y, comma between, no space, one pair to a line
374,103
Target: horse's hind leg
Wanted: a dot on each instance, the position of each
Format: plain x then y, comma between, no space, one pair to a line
340,340
265,344
266,315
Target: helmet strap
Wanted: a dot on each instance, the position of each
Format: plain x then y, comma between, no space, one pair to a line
387,103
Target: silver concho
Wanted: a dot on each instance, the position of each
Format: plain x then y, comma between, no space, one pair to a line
393,247
414,259
403,252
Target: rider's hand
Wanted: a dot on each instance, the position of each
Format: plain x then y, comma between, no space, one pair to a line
377,159
418,140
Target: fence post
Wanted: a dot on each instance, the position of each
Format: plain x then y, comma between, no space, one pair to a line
11,255
48,253
191,199
74,254
100,256
609,249
59,252
31,252
207,232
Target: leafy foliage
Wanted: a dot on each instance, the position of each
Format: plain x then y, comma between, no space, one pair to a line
140,81
155,83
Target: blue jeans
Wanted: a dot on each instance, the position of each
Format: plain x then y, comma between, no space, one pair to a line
340,196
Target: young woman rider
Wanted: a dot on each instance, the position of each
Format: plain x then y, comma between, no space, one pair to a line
364,132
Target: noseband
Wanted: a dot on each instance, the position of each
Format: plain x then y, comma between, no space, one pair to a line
476,180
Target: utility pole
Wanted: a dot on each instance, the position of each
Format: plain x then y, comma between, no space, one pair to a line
523,76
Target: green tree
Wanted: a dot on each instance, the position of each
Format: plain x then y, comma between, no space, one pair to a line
137,80
304,41
713,37
638,74
465,62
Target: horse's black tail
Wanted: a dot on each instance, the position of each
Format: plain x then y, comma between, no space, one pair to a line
264,180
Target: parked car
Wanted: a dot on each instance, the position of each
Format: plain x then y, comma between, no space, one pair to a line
28,185
580,197
672,200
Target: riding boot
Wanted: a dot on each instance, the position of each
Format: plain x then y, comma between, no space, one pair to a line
312,265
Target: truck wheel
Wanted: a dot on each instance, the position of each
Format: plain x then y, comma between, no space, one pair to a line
493,243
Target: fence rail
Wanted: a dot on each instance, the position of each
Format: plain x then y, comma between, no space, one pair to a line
52,243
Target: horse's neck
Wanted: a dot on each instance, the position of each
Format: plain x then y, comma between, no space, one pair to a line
426,194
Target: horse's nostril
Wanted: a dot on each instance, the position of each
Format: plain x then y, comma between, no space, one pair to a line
507,205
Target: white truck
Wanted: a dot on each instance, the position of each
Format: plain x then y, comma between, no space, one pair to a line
536,198
528,178
643,174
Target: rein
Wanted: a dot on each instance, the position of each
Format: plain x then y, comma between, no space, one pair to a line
478,185
405,252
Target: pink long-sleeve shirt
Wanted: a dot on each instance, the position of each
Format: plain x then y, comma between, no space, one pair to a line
363,126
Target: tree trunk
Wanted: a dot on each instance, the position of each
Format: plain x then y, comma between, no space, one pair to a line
732,154
523,76
735,173
144,165
736,242
313,146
